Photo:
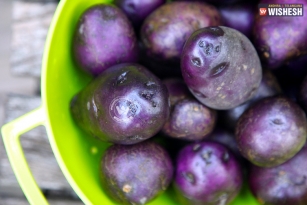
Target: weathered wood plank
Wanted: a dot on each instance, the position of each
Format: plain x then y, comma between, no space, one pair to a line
31,21
23,201
37,151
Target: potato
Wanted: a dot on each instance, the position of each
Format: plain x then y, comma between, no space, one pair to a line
272,131
103,37
136,174
221,67
285,184
165,31
126,104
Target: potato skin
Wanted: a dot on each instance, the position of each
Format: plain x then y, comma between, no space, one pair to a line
138,10
126,104
269,86
103,37
239,16
135,174
272,131
279,39
285,184
165,31
221,67
207,173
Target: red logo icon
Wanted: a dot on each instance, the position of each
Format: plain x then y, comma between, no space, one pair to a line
262,11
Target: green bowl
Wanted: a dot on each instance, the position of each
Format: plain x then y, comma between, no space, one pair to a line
77,153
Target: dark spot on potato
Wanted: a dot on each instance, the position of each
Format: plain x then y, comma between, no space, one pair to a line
300,181
219,69
215,30
122,78
225,157
154,104
209,49
189,177
134,137
147,94
253,90
201,44
242,45
217,49
277,121
199,94
196,147
206,156
196,62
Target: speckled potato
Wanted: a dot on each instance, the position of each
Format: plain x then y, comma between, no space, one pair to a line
279,39
269,86
189,119
126,104
103,37
221,67
165,31
207,173
136,174
272,131
285,184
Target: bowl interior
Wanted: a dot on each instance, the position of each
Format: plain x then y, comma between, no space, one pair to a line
77,153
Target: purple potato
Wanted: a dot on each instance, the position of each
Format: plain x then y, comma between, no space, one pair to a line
221,67
239,16
190,120
285,184
269,86
165,31
207,173
279,39
272,131
136,174
103,37
126,104
138,10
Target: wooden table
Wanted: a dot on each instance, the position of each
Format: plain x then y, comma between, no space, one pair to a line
30,23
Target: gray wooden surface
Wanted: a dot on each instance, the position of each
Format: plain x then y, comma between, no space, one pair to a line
30,23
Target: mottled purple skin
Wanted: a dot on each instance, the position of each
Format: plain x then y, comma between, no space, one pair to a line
219,2
136,174
207,173
177,90
239,16
126,104
221,67
103,37
138,10
269,86
285,184
279,39
190,120
272,131
165,31
303,94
